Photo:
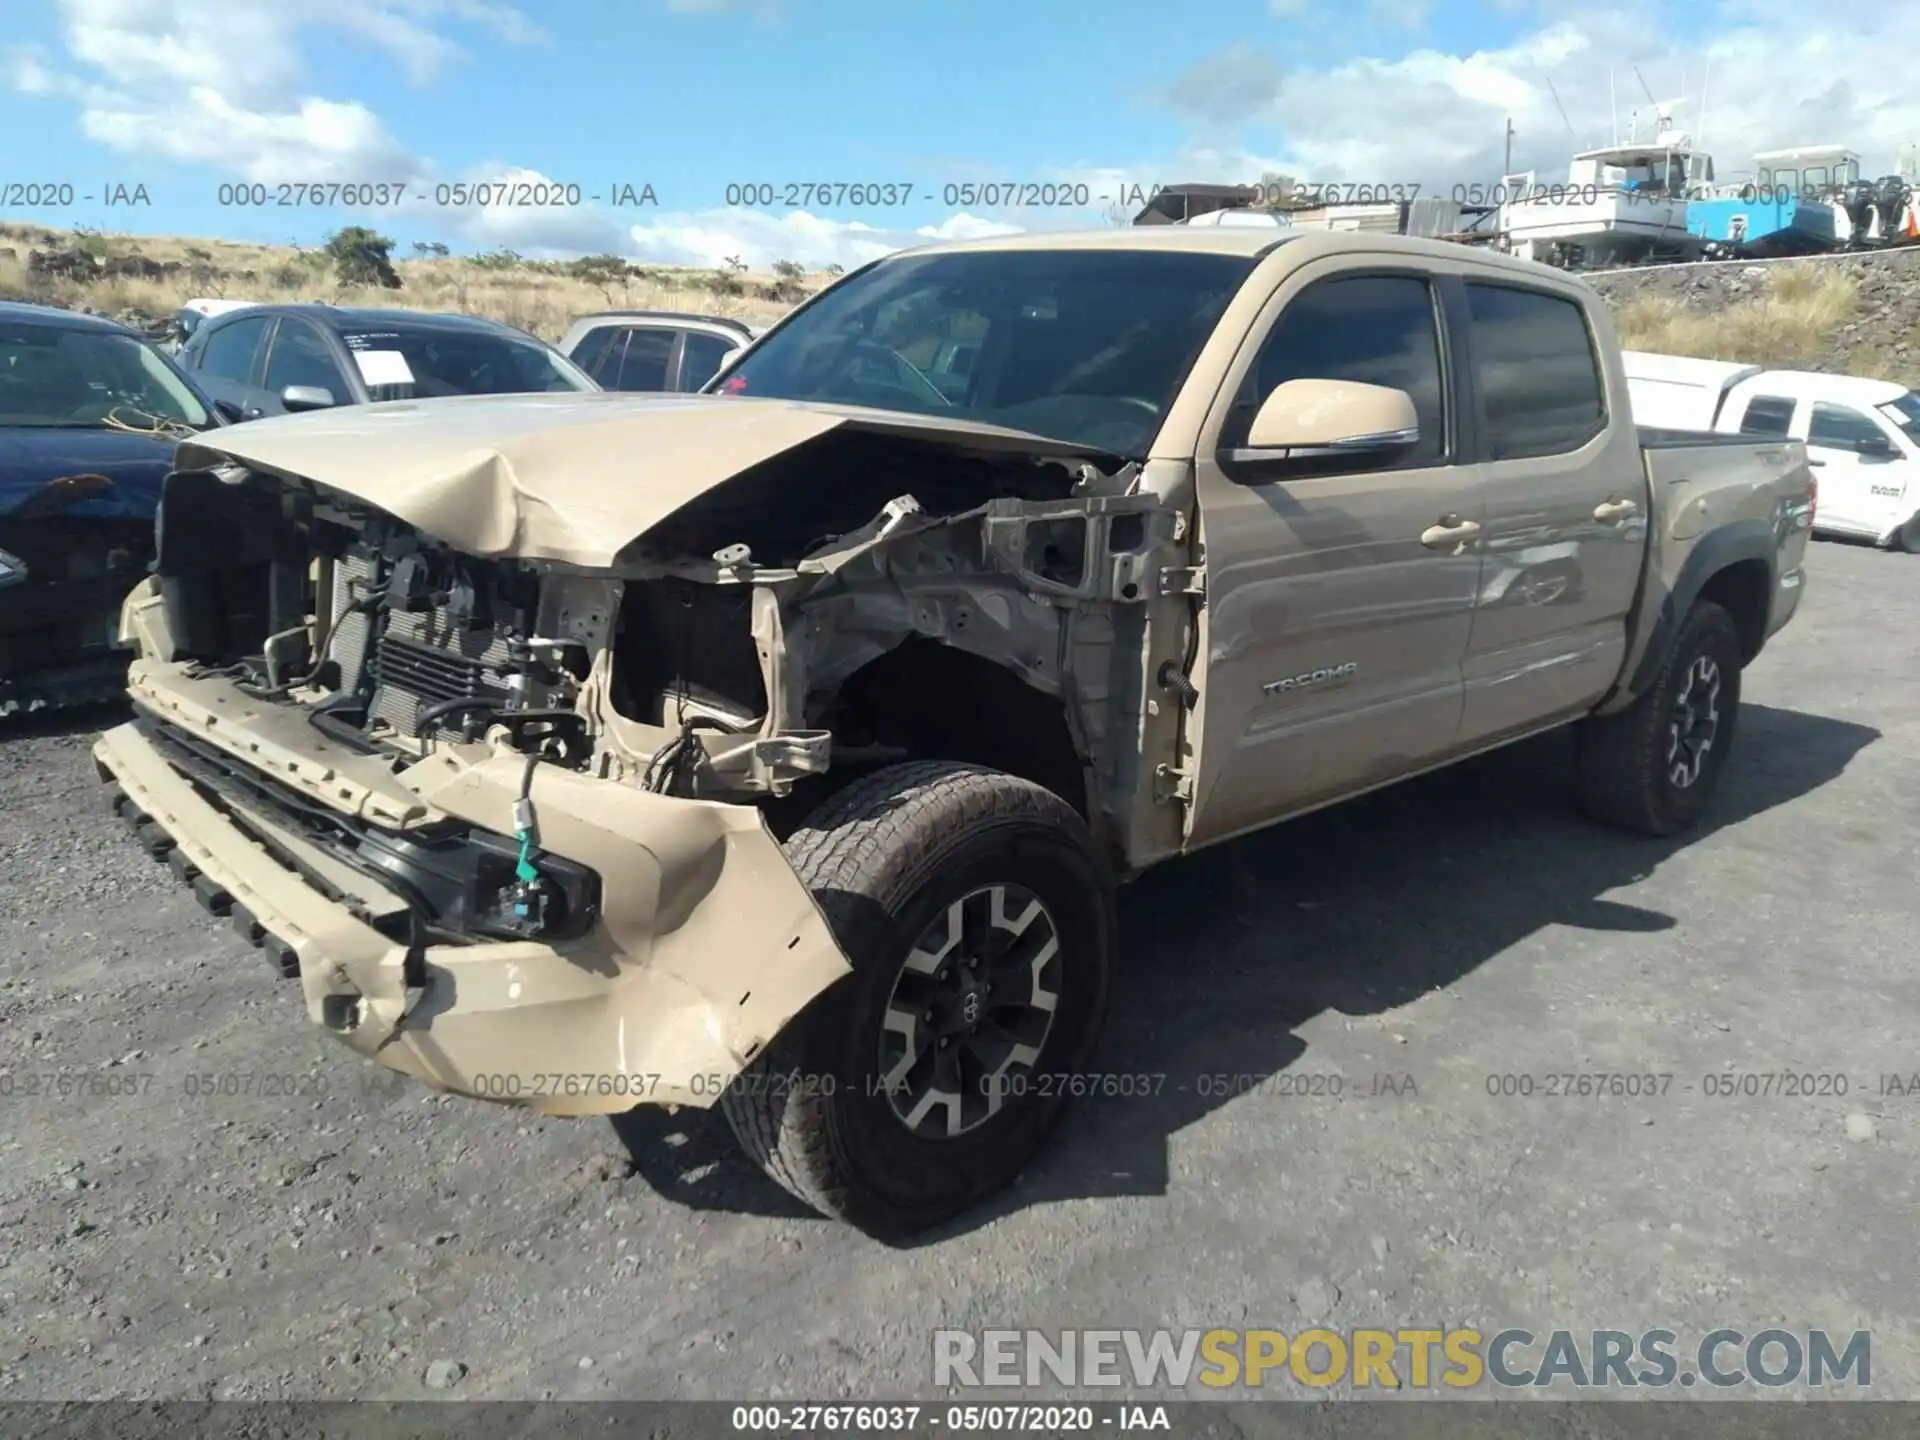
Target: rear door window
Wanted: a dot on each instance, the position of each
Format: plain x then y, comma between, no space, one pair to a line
643,363
1538,371
592,349
1769,416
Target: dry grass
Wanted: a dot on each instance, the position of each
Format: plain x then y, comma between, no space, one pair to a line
1789,327
533,295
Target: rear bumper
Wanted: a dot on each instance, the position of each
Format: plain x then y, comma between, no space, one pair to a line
1787,592
705,946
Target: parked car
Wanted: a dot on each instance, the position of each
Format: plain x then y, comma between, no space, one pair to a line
278,359
839,706
654,349
90,412
195,313
1862,436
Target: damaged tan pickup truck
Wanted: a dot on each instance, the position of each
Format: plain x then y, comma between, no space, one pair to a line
781,746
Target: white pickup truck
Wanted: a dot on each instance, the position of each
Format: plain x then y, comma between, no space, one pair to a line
1862,436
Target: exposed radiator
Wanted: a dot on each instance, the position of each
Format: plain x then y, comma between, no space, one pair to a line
418,658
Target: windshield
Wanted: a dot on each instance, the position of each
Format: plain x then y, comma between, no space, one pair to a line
1088,346
59,375
418,364
1905,413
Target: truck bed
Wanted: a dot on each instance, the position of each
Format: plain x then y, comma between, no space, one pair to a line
1660,437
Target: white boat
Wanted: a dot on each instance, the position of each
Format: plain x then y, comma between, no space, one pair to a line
1619,204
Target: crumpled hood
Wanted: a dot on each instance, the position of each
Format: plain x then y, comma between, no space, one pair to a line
574,477
31,456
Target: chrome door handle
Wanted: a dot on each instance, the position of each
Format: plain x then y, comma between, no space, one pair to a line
1614,510
1816,463
1451,533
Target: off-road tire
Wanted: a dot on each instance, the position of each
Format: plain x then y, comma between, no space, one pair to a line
884,858
1624,778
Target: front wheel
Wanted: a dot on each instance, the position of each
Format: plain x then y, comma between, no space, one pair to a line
1907,537
979,922
1652,767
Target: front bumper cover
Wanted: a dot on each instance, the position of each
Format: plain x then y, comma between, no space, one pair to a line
706,944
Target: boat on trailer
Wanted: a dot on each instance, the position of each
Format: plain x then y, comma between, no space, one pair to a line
1620,204
1794,204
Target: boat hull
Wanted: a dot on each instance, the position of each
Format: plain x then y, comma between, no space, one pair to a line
1611,228
1762,228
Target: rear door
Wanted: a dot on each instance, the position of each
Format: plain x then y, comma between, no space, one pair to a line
1334,632
1566,510
633,357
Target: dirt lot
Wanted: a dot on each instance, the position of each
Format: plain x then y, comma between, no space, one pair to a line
169,1242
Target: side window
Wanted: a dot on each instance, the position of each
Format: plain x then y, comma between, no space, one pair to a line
592,349
644,366
700,358
1378,329
1840,426
228,351
300,357
1539,376
1769,416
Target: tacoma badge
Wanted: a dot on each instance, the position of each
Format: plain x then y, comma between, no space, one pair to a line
1323,676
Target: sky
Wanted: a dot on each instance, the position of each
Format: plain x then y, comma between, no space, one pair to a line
629,125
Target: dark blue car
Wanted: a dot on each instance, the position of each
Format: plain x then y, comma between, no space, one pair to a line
90,413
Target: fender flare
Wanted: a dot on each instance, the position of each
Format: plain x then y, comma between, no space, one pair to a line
1719,548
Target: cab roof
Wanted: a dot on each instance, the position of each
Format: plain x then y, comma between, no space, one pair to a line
1244,241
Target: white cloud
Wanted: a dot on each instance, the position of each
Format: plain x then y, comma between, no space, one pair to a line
214,83
712,236
1781,73
1399,14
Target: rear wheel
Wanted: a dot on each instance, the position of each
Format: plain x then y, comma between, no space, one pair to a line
1907,537
979,922
1652,767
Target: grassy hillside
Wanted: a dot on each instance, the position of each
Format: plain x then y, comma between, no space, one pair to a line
144,280
1854,315
1857,315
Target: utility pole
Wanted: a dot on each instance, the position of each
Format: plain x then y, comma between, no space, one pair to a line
1509,169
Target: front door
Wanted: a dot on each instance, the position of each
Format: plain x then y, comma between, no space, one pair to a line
1566,512
1859,493
1332,631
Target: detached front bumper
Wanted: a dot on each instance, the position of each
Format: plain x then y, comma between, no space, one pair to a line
706,943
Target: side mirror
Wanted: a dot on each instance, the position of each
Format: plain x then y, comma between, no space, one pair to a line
233,413
1304,419
1878,445
306,397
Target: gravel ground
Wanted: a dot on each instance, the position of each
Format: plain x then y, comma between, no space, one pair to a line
167,1243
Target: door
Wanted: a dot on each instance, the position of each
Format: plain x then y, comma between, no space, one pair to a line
227,361
1566,512
1860,467
298,354
1337,608
701,355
